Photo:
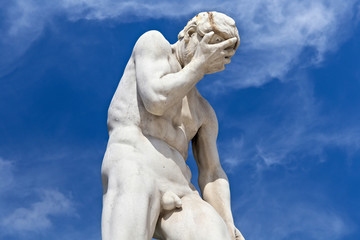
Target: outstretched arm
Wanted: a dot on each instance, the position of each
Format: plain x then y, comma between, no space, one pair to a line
213,181
159,83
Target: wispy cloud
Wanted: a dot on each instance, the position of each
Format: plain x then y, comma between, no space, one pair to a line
311,144
275,34
231,153
37,217
288,128
267,217
280,35
36,214
6,174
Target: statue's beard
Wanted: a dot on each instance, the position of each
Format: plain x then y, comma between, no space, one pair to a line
189,53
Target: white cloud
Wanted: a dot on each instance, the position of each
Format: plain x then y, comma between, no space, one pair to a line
278,219
230,153
289,129
37,217
275,210
303,140
274,32
6,175
31,204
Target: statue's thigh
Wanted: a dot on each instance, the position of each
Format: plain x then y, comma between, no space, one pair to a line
195,220
131,201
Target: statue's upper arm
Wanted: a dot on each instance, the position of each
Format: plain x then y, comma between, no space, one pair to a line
151,54
204,143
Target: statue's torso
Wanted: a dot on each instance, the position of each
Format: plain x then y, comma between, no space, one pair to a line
176,127
161,141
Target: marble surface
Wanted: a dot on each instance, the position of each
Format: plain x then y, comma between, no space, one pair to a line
155,113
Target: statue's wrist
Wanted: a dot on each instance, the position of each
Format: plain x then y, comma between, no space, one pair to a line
198,67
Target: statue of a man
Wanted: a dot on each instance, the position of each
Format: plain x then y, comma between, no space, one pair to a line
154,115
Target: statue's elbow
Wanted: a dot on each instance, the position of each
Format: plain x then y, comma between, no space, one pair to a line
212,174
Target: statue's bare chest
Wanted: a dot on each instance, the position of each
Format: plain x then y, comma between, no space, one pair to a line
177,126
180,123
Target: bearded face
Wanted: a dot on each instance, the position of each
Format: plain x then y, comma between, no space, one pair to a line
190,47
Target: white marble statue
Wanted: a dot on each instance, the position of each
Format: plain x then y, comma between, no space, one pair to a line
154,115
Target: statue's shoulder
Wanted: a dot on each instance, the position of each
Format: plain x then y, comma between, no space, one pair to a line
152,42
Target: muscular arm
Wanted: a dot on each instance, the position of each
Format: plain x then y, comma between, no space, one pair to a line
158,87
212,180
160,83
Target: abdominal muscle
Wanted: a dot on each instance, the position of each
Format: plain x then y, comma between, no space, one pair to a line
153,157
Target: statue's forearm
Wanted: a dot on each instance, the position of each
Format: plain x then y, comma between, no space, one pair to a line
217,194
181,82
173,87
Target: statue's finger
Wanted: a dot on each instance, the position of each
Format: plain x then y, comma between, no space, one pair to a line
227,43
229,53
207,37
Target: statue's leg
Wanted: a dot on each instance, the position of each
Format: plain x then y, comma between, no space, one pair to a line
131,204
195,220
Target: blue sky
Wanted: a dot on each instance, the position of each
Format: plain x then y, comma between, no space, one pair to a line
288,110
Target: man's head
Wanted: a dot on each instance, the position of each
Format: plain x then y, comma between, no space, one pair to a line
223,27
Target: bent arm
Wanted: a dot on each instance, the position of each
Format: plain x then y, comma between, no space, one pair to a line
160,87
213,182
161,81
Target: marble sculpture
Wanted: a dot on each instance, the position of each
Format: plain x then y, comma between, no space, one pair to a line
154,114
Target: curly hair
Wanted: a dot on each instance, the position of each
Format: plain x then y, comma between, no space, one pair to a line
217,22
